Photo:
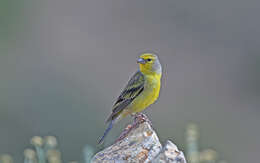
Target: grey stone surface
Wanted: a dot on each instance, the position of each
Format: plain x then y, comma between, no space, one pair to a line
169,154
141,145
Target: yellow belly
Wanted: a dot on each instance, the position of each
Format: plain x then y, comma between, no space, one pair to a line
147,97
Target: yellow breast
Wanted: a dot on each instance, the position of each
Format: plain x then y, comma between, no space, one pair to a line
149,95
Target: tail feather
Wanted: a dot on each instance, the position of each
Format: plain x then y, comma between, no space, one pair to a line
106,131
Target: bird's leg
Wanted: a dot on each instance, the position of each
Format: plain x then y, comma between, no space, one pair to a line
139,118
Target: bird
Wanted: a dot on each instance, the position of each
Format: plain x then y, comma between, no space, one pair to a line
141,91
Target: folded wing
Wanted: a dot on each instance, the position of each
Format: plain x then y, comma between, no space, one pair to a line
134,87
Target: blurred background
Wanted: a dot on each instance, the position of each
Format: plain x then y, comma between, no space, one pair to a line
63,63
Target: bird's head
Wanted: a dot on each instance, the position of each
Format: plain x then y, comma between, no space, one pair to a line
149,63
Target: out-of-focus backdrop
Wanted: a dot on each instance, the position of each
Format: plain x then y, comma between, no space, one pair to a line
63,63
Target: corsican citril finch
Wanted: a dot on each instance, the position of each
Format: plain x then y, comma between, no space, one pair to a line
141,91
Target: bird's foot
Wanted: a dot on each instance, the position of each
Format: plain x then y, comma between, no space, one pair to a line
139,118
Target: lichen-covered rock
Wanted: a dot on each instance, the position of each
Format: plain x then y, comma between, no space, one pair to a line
141,145
169,154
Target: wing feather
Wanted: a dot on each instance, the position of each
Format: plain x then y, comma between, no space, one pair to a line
133,88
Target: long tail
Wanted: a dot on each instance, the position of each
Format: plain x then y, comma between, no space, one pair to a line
111,123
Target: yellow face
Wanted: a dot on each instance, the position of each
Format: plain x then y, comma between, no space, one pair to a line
149,63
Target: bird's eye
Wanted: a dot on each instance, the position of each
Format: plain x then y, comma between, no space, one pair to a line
149,59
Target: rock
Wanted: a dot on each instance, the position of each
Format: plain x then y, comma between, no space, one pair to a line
142,145
169,153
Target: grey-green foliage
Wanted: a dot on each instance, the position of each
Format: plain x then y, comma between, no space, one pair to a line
46,150
6,158
88,153
192,135
194,155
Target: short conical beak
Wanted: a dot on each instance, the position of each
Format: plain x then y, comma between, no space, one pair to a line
141,60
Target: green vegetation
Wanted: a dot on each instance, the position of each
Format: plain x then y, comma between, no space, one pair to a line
46,150
193,154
